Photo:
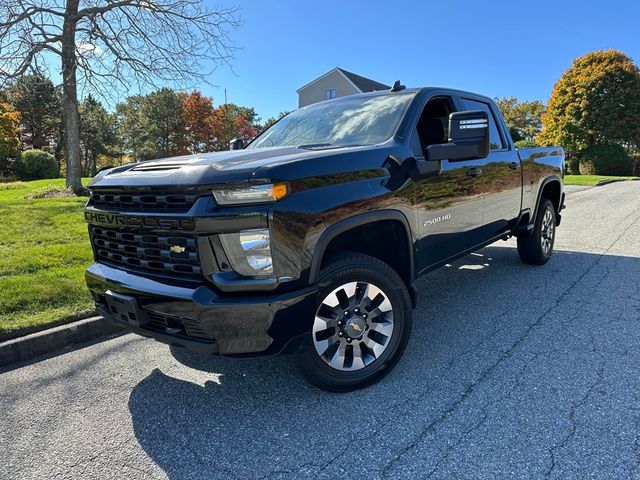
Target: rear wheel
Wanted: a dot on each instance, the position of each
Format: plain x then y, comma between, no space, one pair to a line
536,246
361,326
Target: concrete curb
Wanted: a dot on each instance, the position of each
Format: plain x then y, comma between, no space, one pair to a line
607,182
579,188
53,339
615,180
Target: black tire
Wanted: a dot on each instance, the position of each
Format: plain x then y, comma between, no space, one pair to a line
367,273
536,246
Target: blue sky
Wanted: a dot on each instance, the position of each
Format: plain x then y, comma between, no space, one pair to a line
499,48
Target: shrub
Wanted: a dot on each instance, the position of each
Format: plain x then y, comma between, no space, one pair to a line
35,165
12,185
525,144
50,191
635,161
572,164
605,160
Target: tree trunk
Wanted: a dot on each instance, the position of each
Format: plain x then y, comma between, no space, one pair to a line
93,169
59,150
70,99
84,161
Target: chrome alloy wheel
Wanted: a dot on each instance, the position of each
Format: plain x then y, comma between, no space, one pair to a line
353,326
548,230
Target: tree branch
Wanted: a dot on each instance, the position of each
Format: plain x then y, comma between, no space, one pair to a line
135,43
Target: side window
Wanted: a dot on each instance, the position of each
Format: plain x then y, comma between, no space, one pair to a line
494,133
433,125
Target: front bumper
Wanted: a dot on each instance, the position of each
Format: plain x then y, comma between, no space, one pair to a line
199,318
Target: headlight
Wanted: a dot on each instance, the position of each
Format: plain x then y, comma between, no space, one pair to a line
249,252
251,194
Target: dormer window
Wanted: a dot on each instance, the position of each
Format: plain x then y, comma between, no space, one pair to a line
329,94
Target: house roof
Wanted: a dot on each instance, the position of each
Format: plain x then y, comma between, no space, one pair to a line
363,83
359,82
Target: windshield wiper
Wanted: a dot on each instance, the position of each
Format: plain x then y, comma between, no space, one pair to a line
323,146
318,146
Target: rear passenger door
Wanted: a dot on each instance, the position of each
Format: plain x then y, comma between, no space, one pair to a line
501,173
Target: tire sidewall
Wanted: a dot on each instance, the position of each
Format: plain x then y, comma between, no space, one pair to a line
546,205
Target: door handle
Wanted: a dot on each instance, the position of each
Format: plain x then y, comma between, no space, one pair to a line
513,165
474,171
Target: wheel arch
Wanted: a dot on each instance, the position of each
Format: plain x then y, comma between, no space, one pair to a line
550,188
345,233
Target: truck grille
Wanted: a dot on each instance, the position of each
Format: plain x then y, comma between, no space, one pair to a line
132,201
147,252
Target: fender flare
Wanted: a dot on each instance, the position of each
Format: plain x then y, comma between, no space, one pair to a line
354,221
545,182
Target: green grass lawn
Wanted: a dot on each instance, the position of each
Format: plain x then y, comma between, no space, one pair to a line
44,250
590,180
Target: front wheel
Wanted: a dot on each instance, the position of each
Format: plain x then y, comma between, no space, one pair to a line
361,326
536,246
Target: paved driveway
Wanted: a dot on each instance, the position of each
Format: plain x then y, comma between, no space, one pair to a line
512,372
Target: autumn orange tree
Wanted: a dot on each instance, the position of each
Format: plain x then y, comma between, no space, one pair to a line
199,123
595,102
9,136
231,121
208,128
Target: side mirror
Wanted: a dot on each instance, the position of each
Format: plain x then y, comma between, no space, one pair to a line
103,169
468,138
237,144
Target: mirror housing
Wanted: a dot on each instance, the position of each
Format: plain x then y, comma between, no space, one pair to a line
102,169
237,144
468,138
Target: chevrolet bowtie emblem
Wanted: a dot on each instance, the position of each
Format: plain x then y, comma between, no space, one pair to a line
356,327
177,249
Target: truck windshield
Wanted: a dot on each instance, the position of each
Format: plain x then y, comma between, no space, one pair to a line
345,122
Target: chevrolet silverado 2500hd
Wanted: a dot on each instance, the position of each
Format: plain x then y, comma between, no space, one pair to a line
309,239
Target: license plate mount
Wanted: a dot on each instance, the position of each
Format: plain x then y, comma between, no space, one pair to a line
125,308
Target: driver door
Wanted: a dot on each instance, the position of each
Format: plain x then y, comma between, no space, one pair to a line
449,203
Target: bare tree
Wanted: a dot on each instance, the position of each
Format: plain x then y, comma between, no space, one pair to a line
110,45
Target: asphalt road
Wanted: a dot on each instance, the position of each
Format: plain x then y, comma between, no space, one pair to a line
513,371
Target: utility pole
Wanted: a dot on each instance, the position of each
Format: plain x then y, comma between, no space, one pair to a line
227,120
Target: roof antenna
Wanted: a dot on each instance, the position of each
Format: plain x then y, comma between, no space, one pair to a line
397,86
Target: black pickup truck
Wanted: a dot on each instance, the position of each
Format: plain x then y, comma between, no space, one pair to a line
308,240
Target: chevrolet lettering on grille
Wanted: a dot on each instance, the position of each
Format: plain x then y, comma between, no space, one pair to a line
109,219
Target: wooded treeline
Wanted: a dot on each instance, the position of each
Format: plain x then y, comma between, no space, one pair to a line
160,124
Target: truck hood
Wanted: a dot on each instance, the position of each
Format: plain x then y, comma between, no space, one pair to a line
201,169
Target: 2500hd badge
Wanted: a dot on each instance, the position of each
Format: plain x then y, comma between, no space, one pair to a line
284,246
439,219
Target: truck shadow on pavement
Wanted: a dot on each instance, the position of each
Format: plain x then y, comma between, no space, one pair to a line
485,331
